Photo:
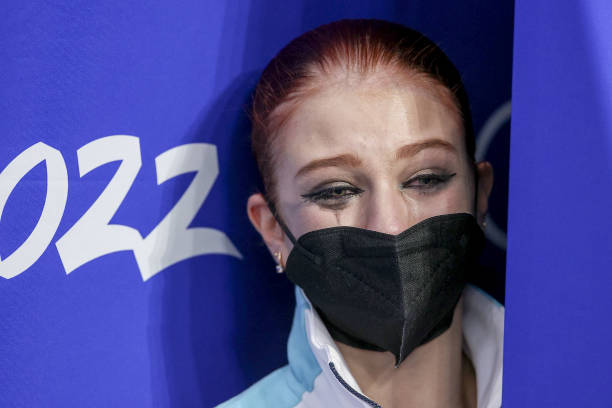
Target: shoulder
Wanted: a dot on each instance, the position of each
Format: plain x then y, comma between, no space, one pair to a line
292,385
279,389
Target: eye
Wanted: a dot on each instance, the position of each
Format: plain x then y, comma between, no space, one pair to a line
333,195
427,182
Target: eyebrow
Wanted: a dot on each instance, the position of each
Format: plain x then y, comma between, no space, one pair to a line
350,160
410,150
343,160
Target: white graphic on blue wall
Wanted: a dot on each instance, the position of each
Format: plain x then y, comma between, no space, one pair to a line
92,236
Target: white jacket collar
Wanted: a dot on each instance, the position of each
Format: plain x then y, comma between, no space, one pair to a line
483,332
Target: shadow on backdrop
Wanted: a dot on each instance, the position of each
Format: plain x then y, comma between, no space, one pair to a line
255,330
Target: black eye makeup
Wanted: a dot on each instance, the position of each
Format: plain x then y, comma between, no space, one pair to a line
428,182
332,196
336,196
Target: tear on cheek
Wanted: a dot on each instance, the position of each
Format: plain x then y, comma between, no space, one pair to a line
337,215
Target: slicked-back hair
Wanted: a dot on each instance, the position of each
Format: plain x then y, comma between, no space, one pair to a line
361,47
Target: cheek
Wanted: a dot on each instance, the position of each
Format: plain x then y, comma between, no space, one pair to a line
458,197
312,217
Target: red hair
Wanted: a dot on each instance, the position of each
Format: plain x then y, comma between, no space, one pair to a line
359,46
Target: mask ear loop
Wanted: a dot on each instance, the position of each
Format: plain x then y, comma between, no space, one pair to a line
475,168
484,221
313,258
278,219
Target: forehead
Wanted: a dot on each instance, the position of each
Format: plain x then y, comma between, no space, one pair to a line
368,117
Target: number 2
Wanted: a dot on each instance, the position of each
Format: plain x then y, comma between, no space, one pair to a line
92,236
171,240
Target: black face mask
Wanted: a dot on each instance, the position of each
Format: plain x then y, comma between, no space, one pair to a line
387,292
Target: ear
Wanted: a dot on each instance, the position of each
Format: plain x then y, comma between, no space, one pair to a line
483,189
264,222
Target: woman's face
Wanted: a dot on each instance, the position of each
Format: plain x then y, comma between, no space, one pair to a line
379,154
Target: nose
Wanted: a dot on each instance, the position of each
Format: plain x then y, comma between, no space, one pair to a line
389,212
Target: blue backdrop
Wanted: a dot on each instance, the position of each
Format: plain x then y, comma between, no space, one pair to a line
558,334
130,273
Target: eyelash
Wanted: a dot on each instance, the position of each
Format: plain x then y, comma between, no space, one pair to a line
333,194
326,194
438,179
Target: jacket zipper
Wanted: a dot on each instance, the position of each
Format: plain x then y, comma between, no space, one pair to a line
351,389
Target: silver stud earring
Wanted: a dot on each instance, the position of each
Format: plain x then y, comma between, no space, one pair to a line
279,257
